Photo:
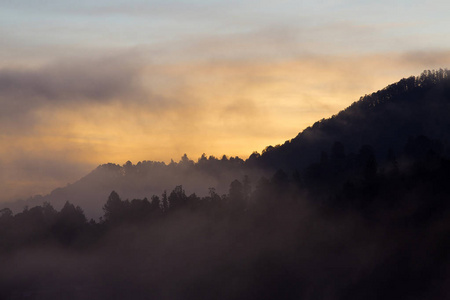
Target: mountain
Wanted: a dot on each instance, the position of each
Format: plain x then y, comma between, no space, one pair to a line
386,120
145,179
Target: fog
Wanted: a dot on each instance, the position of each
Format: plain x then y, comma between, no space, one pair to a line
349,225
297,251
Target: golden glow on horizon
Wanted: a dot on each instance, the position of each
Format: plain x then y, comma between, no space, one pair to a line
213,108
83,84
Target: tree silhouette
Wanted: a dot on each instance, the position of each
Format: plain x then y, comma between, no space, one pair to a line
69,224
165,202
114,208
177,198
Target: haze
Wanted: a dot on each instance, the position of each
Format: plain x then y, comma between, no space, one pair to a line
85,83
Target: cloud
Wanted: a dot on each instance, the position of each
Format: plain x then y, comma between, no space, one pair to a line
431,59
65,82
31,98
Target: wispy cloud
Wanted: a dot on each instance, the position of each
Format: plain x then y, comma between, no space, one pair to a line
88,80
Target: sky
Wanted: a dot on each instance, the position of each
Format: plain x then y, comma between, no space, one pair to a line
84,83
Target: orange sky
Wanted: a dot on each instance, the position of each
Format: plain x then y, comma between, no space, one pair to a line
84,85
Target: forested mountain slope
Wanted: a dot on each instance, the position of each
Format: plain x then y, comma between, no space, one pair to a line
385,120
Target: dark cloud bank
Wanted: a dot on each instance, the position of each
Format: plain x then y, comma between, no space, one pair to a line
64,84
353,222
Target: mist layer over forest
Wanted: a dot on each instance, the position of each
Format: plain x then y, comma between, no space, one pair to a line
355,207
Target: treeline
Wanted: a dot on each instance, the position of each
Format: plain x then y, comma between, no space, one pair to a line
349,226
339,180
69,226
145,178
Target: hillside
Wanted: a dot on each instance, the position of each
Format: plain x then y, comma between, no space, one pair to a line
145,179
384,120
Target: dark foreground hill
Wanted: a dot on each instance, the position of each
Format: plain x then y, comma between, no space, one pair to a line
385,120
383,234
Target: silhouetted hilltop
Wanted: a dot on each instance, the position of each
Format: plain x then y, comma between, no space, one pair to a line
385,120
